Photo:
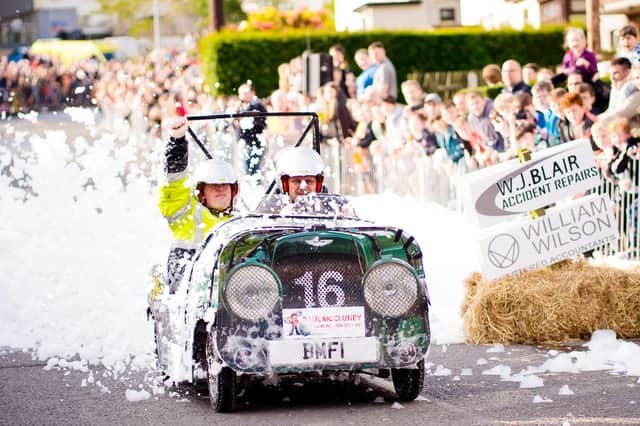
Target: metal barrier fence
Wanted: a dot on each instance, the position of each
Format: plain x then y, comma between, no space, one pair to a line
407,171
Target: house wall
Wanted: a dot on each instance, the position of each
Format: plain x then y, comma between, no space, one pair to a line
421,16
48,21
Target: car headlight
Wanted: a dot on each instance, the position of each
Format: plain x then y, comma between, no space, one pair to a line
390,288
252,292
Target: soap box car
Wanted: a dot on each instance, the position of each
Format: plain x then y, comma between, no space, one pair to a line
297,291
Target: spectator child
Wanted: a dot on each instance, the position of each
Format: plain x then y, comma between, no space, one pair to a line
577,57
491,75
479,109
588,95
628,37
545,74
576,125
574,80
553,126
530,73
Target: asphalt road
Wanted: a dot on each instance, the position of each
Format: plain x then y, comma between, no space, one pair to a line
30,395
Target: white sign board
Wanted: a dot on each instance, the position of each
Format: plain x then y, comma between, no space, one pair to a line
563,232
500,192
345,321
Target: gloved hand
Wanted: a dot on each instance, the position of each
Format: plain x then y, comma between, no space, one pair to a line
178,128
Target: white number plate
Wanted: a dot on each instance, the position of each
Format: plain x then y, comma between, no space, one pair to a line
323,351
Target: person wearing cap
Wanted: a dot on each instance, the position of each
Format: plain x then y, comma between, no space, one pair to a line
301,171
192,211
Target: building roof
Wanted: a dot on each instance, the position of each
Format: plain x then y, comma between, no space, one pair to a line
376,3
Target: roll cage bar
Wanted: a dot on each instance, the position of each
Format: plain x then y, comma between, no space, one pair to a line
313,123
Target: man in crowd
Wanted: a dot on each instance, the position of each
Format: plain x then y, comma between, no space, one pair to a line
512,78
365,78
621,85
385,83
479,109
340,67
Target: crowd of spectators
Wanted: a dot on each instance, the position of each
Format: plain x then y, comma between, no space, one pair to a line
29,83
364,111
537,108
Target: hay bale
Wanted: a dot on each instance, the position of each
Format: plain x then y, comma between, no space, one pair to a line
570,300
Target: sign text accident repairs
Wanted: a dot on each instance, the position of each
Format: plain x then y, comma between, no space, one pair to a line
498,198
513,187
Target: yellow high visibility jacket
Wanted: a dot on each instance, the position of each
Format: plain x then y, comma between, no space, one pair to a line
188,219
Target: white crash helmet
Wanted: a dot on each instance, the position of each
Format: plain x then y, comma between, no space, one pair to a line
217,172
300,161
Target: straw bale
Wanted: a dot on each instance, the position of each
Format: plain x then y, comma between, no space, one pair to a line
567,301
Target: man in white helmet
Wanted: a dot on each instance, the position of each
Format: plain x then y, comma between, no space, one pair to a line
192,211
301,172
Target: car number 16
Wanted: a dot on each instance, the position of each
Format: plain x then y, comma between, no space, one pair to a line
324,288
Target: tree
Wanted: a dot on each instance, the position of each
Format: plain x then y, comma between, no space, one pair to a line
127,14
233,12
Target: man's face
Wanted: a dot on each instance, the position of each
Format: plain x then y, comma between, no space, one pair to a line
628,42
511,73
376,54
619,73
217,196
301,185
245,93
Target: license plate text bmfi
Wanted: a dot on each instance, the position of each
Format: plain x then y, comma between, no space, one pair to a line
333,349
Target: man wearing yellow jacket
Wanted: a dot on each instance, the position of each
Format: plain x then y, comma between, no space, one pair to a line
192,211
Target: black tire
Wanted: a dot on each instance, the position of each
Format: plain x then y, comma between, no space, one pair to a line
408,382
222,386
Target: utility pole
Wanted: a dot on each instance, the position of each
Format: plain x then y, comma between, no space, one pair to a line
216,15
156,24
593,24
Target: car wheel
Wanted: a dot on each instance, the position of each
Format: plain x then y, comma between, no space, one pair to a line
408,382
222,383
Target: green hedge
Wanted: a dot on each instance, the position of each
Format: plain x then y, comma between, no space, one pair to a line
229,58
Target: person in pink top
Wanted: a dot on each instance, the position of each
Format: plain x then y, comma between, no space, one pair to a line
577,58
